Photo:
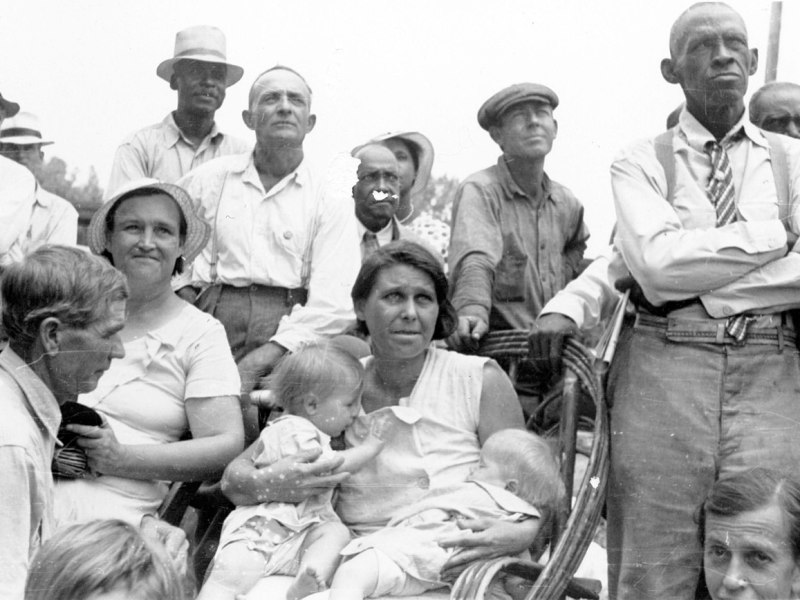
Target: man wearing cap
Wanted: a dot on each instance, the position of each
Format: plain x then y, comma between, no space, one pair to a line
518,237
17,196
53,220
776,107
284,252
187,137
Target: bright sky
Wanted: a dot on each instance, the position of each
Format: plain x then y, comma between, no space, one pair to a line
87,68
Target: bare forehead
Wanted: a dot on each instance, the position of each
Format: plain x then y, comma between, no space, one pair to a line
375,155
279,80
706,19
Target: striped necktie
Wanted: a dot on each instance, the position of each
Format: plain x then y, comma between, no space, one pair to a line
722,195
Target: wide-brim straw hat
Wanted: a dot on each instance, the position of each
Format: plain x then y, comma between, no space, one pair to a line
197,230
8,107
425,154
22,130
204,43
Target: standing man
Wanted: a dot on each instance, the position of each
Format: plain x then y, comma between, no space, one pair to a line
706,381
518,237
53,220
776,107
188,136
284,250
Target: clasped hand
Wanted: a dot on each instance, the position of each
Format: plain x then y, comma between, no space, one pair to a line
104,453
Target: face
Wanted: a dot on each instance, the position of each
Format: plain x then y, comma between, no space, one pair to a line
405,162
710,58
85,354
336,412
280,110
780,111
400,312
146,241
200,85
28,155
526,130
377,192
749,556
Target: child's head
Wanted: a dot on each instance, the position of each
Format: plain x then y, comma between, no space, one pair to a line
523,463
101,560
321,383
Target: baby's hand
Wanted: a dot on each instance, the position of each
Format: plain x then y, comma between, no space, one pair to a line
382,427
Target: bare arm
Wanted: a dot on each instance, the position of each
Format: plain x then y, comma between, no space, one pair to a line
500,408
382,429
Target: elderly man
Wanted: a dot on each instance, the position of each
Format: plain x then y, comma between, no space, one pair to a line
776,107
53,220
706,380
284,250
62,310
518,237
187,137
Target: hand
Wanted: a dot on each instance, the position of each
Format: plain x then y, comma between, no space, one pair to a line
469,331
486,538
546,340
173,539
383,427
187,293
258,364
104,454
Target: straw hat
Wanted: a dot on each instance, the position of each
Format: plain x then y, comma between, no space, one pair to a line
204,43
425,154
197,230
22,130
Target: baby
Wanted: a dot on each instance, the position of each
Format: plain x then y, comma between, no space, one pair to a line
516,479
319,388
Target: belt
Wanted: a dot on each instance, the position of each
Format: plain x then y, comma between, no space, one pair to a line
290,296
712,331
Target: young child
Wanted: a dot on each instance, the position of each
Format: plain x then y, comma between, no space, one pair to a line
101,560
516,479
319,388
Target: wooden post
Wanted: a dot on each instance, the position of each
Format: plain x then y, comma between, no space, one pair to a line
774,41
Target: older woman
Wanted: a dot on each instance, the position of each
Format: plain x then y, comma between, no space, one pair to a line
750,533
448,403
177,376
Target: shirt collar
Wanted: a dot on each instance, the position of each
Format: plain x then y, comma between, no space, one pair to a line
697,135
511,188
392,226
247,167
41,399
173,132
42,197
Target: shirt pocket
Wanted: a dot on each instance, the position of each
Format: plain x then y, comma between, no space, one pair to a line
509,279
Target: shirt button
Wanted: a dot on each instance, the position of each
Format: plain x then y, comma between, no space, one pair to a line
424,483
727,310
287,235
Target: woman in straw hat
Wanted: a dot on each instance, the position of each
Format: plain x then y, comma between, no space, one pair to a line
177,376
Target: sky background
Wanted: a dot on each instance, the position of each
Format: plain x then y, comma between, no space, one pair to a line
87,68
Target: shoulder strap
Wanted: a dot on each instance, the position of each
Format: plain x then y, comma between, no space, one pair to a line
214,242
666,156
780,171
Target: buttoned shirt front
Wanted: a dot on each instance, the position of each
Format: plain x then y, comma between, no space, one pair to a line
17,198
163,152
509,253
302,225
28,430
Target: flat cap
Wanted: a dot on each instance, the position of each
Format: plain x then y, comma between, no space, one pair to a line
491,111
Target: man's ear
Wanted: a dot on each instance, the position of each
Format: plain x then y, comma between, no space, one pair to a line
173,81
247,117
512,485
312,120
494,133
555,124
50,332
753,61
668,71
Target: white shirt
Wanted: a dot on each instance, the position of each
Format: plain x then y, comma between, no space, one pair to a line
265,238
18,194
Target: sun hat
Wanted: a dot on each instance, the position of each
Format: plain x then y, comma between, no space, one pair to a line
490,112
425,154
22,130
9,108
197,230
204,43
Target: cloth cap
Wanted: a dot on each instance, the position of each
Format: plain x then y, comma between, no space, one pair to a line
422,143
22,130
204,43
489,114
197,230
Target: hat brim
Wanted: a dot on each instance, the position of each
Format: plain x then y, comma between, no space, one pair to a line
24,140
426,155
197,230
166,69
9,108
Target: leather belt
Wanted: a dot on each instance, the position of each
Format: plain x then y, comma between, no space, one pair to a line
712,331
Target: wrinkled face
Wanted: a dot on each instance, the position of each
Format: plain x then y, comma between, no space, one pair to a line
749,556
85,354
400,312
338,411
526,130
780,111
710,58
200,85
280,110
28,155
405,161
145,242
377,192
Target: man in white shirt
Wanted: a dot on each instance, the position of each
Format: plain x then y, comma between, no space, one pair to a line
53,220
187,137
284,253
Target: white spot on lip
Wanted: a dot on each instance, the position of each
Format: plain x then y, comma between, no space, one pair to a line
379,196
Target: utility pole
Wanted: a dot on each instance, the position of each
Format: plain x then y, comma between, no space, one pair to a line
774,41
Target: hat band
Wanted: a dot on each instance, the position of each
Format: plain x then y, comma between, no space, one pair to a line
19,131
200,51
